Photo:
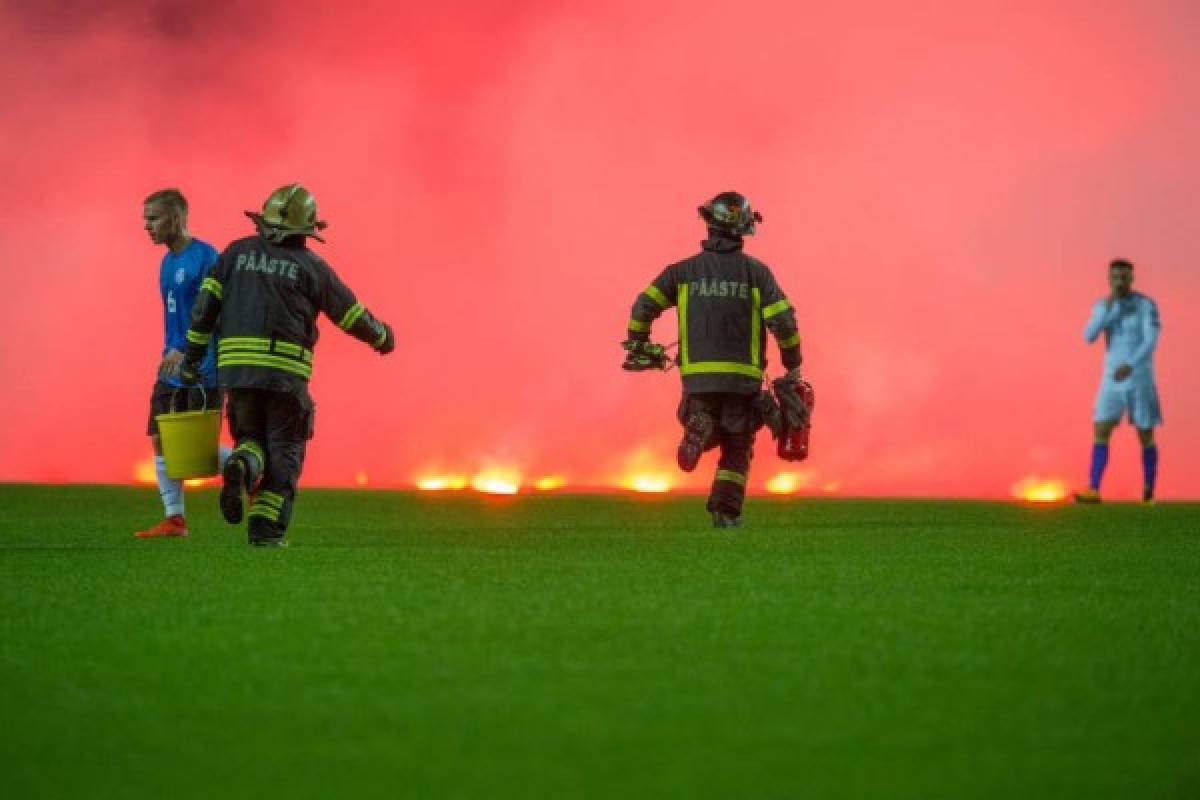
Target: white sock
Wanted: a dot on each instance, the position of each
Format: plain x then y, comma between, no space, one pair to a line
169,489
223,455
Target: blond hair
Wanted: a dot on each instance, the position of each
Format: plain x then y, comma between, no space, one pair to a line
173,199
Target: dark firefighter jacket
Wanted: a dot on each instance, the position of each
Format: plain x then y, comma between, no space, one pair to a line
726,301
262,301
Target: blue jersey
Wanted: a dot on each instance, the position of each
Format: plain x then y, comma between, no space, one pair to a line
179,281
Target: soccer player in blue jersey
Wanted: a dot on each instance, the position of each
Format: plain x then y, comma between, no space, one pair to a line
1130,323
185,265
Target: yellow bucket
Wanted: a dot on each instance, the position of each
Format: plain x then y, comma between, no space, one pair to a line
189,442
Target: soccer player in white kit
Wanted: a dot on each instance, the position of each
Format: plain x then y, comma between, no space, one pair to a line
1130,323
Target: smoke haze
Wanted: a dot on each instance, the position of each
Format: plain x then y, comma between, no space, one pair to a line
942,189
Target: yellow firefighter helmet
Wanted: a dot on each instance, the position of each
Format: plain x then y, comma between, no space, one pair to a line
289,211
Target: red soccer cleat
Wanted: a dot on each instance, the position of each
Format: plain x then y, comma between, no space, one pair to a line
171,526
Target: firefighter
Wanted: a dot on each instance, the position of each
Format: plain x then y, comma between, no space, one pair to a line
261,301
726,300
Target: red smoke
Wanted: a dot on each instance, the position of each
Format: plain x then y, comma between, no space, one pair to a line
942,188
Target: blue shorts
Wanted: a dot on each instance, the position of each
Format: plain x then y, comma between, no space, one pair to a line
1136,397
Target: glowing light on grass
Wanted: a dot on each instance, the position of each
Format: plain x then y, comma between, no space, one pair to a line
550,483
497,481
360,478
441,483
195,483
831,487
1035,489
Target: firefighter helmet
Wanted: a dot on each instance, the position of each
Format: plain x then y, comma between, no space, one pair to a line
289,211
730,212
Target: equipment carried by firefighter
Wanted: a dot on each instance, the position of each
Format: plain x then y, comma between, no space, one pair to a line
189,440
643,355
796,400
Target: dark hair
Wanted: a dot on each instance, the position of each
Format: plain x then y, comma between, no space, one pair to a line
1120,263
171,198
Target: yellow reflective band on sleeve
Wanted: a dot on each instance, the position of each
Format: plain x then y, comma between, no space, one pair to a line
381,338
214,286
684,352
755,327
196,337
731,476
654,294
790,341
289,349
638,327
724,367
776,308
264,360
351,316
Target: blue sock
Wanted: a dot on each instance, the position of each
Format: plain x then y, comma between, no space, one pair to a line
1099,462
1150,468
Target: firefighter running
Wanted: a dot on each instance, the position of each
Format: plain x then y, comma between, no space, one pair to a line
261,301
726,300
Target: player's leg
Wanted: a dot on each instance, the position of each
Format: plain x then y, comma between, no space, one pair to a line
1101,434
289,426
245,465
169,489
1149,463
1146,414
1111,404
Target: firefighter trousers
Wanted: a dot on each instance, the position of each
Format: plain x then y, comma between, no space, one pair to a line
735,420
271,430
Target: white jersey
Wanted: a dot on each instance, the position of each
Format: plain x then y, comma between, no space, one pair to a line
1130,326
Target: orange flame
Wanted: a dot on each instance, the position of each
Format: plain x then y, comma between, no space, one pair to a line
550,483
144,472
497,481
361,477
644,473
788,482
1035,489
438,483
647,482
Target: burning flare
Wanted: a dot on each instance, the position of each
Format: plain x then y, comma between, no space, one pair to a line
647,482
438,483
550,483
497,481
1035,489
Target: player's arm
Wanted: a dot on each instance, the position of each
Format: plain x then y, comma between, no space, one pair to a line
780,319
1103,313
340,305
1151,326
661,294
205,313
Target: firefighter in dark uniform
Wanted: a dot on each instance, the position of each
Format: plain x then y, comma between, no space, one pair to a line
261,301
726,301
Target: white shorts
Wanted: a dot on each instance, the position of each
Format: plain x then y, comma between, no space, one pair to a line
1136,397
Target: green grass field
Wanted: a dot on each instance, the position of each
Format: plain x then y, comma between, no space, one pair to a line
576,646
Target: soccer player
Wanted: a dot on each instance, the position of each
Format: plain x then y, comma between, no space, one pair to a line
726,301
184,266
262,301
1130,323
